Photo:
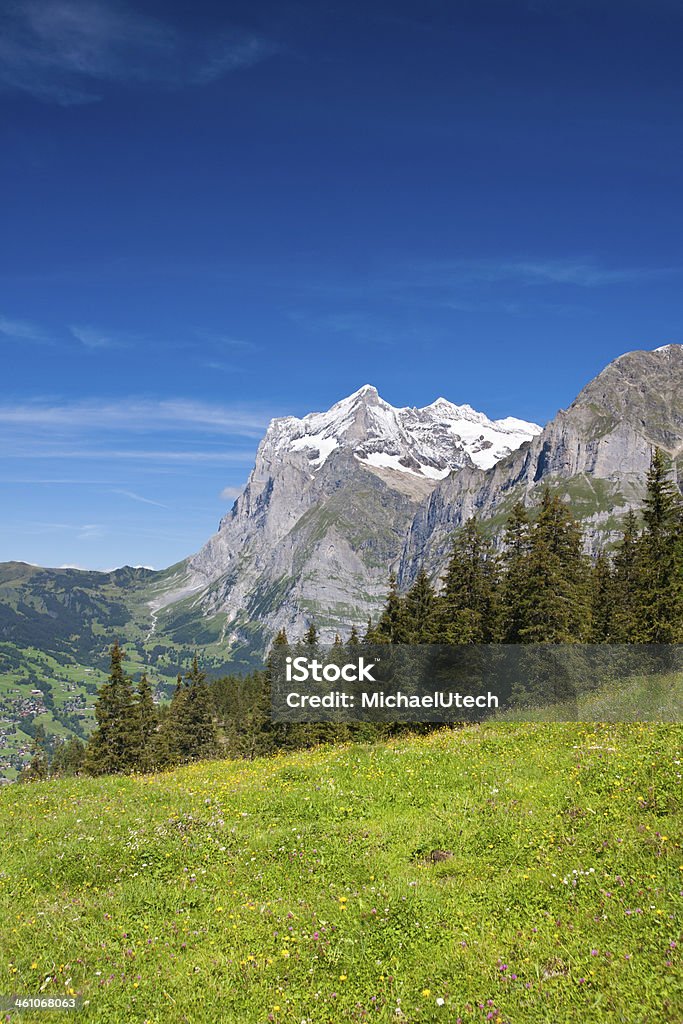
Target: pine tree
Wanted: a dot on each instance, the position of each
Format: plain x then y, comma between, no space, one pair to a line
189,727
148,723
37,769
390,628
418,610
554,604
662,600
115,744
68,757
602,600
354,639
467,610
369,637
627,585
514,563
311,636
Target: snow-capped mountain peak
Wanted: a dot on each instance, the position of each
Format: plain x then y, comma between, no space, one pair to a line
430,442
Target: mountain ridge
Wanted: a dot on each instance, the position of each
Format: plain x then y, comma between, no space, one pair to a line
313,538
603,441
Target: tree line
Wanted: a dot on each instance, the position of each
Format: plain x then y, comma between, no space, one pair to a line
224,717
540,587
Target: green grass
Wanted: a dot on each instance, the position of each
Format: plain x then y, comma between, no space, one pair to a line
299,888
649,698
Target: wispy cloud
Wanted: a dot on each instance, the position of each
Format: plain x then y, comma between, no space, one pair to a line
221,367
91,531
66,51
230,493
22,330
138,497
83,531
580,273
138,415
188,456
363,328
233,53
387,306
222,341
94,338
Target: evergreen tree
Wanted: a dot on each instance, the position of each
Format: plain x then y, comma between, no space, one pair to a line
467,610
354,639
114,746
148,723
189,727
68,757
390,628
602,600
627,585
554,602
514,562
260,735
37,769
369,637
311,636
662,603
418,610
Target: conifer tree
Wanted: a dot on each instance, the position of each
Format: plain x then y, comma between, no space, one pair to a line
390,628
627,585
311,636
602,600
514,560
662,600
354,639
114,746
554,605
68,757
467,610
369,637
418,610
37,769
148,722
189,726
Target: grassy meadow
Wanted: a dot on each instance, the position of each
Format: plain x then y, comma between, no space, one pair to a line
300,888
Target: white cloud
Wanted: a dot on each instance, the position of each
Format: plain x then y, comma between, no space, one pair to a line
230,493
91,531
581,273
22,330
65,51
92,337
43,451
138,416
138,497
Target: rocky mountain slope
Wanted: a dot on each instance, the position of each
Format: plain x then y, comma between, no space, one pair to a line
325,513
335,500
595,453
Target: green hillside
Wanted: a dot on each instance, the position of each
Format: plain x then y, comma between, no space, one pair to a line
56,631
301,888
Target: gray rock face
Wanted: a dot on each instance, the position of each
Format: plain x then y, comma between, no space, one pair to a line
337,499
325,512
596,453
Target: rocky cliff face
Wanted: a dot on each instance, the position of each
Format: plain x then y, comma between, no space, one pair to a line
596,453
326,510
335,500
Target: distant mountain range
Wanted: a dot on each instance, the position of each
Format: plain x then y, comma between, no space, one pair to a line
335,501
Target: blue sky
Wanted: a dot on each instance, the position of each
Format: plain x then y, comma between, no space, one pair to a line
219,213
